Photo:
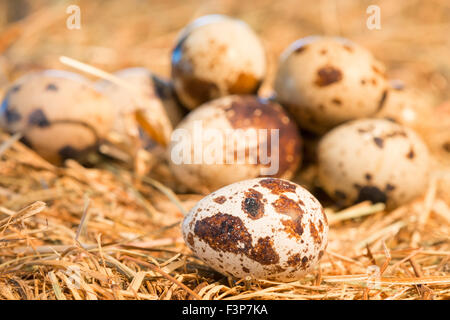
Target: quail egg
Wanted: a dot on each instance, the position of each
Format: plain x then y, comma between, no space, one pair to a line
373,159
216,56
159,103
264,228
325,81
59,114
231,139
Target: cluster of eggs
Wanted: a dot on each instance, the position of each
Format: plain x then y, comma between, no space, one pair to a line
249,224
329,87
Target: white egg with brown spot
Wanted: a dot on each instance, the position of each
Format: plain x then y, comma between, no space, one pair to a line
234,138
60,114
263,228
216,56
373,159
325,81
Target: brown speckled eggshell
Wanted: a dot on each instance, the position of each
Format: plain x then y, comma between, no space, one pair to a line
325,81
59,113
216,56
373,159
236,114
262,228
158,98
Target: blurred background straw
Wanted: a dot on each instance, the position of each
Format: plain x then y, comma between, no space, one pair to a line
126,244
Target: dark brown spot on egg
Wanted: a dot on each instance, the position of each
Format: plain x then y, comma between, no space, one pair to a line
277,186
314,233
390,119
245,83
323,51
246,270
220,200
11,115
190,239
252,204
336,101
348,48
199,90
15,89
410,154
379,142
51,87
38,118
293,228
294,260
389,187
396,133
446,146
304,262
367,129
289,207
382,100
321,254
264,252
320,226
368,176
252,112
371,193
328,75
224,232
300,49
378,71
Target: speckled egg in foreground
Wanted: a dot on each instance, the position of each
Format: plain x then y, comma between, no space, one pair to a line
373,159
265,228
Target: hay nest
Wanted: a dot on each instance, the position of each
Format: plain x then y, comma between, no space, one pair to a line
112,231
